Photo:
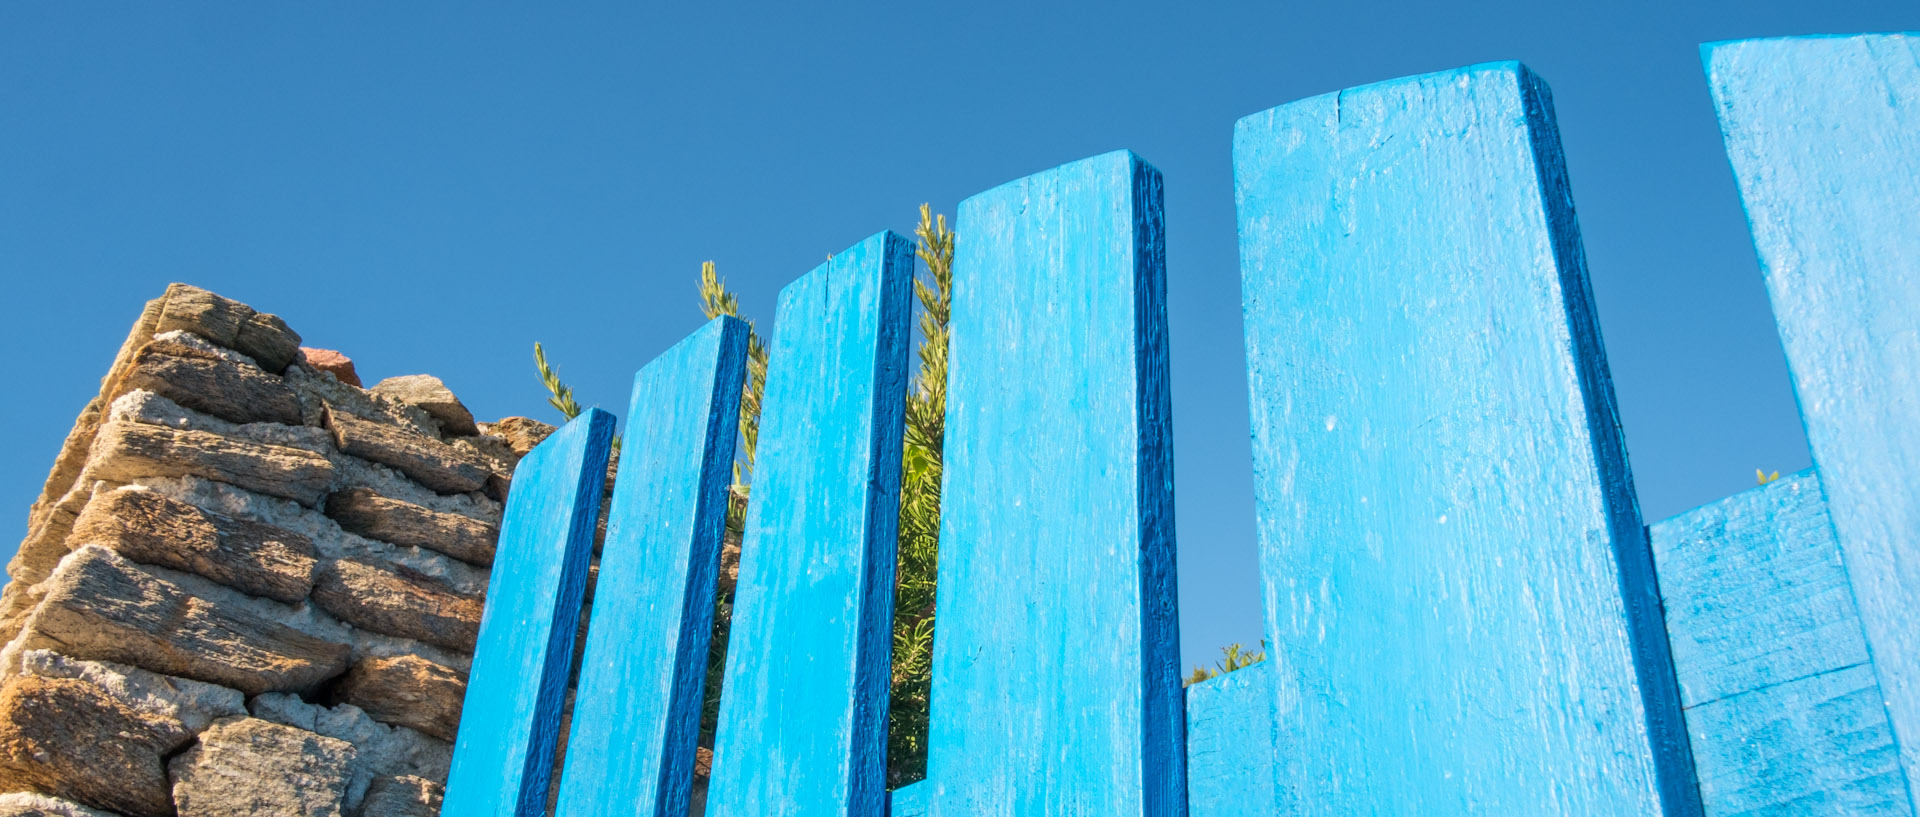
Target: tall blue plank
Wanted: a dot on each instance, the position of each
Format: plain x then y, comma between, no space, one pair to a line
1456,578
803,717
636,712
1824,134
1781,703
1230,744
1056,687
503,754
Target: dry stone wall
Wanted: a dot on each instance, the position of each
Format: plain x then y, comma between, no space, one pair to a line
250,587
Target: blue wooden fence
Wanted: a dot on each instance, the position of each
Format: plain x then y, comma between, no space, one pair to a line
1467,613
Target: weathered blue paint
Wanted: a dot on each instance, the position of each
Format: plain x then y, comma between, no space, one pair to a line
636,712
910,800
1230,758
503,755
1056,687
803,717
1824,135
1456,577
1781,704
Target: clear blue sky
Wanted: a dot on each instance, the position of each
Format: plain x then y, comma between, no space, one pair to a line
431,187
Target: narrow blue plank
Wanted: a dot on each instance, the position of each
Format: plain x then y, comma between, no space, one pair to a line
910,800
803,717
1824,135
636,712
1056,686
1781,704
1456,577
1230,744
503,755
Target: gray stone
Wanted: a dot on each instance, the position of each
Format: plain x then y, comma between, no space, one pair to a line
102,607
433,463
29,804
393,599
363,512
380,750
149,528
248,766
209,383
433,397
124,452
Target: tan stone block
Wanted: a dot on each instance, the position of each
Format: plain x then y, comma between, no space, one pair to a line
247,766
124,452
395,600
363,512
407,796
429,461
409,691
32,804
433,397
70,739
226,389
248,556
521,433
102,607
229,323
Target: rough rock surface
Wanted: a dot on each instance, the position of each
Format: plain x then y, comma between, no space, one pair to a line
28,804
363,512
433,397
395,600
407,690
248,766
70,739
521,433
151,529
405,796
331,362
379,750
99,606
232,324
192,704
124,452
204,381
433,463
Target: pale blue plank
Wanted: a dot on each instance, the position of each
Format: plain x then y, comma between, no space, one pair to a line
1824,134
1782,708
803,716
910,800
1230,744
503,755
1056,687
1456,578
636,712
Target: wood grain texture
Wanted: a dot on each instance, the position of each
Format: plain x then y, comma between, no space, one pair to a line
1230,760
1781,704
1455,574
636,712
1056,687
803,716
503,754
1824,136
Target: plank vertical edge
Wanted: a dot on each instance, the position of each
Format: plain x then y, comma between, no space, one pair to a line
804,715
1824,137
503,753
636,715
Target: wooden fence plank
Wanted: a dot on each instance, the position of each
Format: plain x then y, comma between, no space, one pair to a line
1781,703
1056,685
503,754
1456,577
803,717
636,713
1824,135
1230,744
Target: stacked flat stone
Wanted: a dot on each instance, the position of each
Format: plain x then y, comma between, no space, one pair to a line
248,587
